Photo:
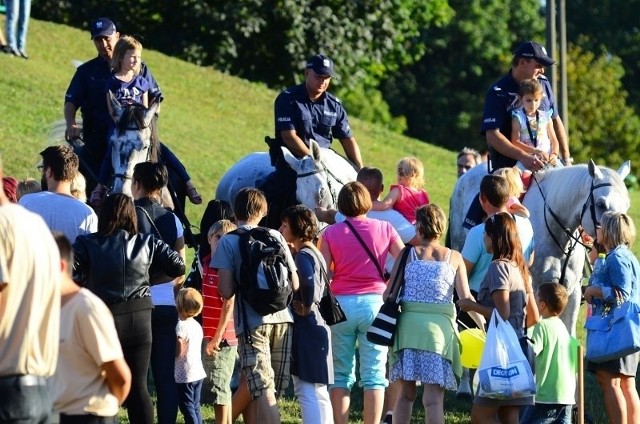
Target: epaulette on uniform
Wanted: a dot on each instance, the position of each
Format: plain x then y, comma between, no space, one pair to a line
332,97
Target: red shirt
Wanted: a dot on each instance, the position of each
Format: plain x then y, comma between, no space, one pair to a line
213,305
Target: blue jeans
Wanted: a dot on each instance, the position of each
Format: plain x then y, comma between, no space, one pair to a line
546,413
360,311
23,404
163,356
189,401
18,12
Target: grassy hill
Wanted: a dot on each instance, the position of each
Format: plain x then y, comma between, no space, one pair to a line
209,119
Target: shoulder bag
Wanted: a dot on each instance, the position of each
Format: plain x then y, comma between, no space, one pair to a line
383,328
328,306
615,333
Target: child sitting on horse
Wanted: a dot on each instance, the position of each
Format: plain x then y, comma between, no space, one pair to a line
408,195
532,129
129,88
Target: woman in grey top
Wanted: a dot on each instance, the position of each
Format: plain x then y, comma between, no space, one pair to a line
507,288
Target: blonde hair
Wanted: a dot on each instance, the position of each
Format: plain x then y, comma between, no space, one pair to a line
411,168
26,186
79,187
189,302
222,226
514,178
617,229
124,44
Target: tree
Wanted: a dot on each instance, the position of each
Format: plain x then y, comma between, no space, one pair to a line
603,126
442,95
609,27
269,40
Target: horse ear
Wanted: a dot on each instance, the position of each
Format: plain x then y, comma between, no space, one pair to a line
315,150
594,171
150,113
624,169
289,158
115,105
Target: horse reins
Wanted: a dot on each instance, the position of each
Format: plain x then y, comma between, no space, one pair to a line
573,240
327,171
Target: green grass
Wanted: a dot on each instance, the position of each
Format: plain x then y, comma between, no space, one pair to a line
210,120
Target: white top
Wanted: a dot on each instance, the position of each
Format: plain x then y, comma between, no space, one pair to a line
188,368
62,213
30,302
162,294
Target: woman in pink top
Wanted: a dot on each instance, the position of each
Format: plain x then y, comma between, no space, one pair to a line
408,195
356,250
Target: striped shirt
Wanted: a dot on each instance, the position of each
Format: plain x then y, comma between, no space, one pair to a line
213,305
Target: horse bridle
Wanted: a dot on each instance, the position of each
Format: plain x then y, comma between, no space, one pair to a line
125,177
323,169
573,240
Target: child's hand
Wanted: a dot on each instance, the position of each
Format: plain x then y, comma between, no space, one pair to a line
466,304
213,347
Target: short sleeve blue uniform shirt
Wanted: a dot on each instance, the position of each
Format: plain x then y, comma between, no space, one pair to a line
87,92
501,99
321,120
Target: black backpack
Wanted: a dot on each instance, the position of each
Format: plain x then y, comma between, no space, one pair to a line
265,277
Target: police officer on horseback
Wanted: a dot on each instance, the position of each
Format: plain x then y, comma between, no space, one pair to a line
302,113
87,92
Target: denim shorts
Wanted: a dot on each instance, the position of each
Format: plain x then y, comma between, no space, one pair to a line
220,370
360,311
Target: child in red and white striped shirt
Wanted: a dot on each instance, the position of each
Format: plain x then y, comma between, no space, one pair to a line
218,327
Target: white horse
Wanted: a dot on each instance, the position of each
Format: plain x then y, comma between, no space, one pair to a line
320,176
131,142
560,200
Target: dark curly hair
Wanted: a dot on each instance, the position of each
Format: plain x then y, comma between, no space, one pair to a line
302,222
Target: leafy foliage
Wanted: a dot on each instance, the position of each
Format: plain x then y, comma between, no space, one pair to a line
442,94
269,40
602,126
609,27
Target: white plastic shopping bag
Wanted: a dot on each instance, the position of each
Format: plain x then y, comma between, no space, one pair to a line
504,372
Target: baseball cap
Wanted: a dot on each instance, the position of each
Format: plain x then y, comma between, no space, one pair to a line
533,50
321,65
102,27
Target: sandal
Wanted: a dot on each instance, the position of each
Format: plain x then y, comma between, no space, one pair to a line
193,195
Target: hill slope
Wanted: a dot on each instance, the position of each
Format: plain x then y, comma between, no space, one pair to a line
208,118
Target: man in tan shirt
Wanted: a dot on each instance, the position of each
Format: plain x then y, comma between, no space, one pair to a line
29,313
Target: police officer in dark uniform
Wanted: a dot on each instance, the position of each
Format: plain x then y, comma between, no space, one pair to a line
529,61
302,113
87,92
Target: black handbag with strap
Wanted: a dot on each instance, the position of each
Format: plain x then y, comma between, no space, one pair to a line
328,305
383,328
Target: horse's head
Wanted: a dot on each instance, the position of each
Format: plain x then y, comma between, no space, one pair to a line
607,192
131,142
311,185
